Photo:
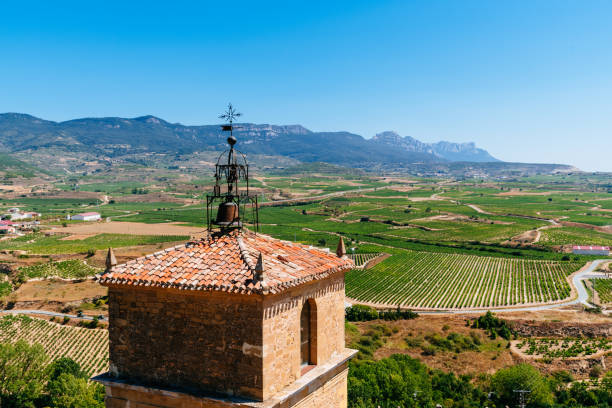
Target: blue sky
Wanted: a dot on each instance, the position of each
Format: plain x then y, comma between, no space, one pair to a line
529,81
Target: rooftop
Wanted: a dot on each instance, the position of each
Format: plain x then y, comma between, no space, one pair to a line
228,262
591,247
88,214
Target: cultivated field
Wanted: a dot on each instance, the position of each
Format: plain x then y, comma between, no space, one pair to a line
562,348
434,280
88,229
362,259
70,269
88,347
604,289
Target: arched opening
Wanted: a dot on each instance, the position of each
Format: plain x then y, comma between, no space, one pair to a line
308,333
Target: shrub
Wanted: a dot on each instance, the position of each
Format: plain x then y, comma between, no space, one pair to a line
362,313
596,371
494,325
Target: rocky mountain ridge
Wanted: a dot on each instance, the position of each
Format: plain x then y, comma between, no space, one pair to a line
113,136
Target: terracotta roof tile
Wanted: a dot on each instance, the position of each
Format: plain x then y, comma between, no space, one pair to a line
226,262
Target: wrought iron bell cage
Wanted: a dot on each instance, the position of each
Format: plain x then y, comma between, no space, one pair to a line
231,173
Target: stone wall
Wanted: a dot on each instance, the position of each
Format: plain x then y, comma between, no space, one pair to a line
281,329
213,341
333,394
190,340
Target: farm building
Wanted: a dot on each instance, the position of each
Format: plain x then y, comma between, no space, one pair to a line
17,215
591,250
88,216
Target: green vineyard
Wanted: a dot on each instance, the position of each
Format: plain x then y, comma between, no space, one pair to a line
362,259
435,280
604,289
70,269
88,347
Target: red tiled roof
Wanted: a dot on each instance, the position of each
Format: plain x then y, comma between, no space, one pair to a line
88,214
227,262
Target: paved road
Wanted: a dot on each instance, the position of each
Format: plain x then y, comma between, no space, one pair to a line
47,313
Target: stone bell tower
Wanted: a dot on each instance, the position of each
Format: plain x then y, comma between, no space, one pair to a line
236,319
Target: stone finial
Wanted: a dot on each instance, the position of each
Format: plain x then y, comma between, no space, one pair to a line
341,249
260,275
110,259
259,268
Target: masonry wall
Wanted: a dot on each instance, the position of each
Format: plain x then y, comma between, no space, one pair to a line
333,394
281,329
192,340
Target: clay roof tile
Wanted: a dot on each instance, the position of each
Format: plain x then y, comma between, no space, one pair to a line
226,262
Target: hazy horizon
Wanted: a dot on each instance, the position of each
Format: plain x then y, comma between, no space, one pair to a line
527,81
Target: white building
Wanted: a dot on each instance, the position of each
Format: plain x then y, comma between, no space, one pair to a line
88,216
591,250
16,216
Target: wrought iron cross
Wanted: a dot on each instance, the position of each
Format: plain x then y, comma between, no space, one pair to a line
230,114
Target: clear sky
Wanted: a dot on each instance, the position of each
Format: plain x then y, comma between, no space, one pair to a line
528,80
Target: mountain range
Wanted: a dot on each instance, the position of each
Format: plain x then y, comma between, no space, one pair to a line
148,138
114,136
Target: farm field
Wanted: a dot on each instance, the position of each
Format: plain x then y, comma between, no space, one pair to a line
562,347
57,291
88,347
604,289
362,259
40,244
129,228
414,213
70,269
451,281
571,235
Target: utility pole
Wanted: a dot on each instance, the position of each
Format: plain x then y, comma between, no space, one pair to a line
522,394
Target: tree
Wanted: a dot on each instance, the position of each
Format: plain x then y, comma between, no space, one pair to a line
65,365
521,377
69,391
22,374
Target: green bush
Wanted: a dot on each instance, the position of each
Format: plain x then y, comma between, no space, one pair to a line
362,313
493,325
